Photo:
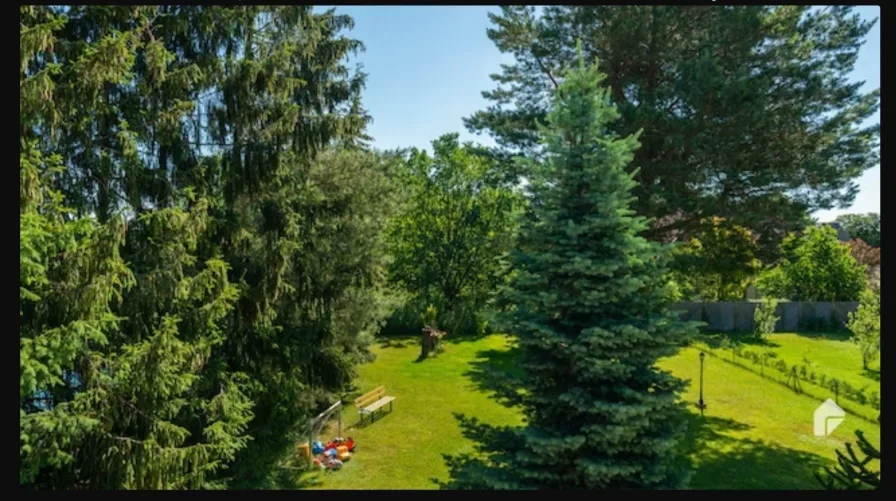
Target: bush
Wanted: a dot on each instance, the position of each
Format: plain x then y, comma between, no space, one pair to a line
717,264
464,320
816,267
865,325
765,317
429,316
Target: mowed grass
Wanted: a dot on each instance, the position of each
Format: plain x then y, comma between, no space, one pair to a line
833,354
403,449
756,434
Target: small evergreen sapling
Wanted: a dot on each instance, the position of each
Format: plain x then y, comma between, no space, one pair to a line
765,317
865,324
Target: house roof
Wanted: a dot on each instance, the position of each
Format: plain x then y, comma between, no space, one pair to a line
842,234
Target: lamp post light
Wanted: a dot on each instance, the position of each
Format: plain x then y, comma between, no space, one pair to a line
701,405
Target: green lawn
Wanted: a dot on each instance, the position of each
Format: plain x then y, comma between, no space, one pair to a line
403,449
833,354
756,434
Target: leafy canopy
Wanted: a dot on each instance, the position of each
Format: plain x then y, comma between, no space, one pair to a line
816,267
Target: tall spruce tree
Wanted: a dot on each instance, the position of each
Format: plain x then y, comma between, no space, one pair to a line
195,283
589,311
118,319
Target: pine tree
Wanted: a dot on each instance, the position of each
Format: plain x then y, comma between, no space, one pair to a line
852,473
749,113
589,312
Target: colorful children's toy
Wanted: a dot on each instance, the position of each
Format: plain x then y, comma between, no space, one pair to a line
317,447
350,443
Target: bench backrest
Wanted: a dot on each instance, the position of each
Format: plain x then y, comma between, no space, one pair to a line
370,397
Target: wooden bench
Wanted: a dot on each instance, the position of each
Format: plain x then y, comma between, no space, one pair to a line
372,401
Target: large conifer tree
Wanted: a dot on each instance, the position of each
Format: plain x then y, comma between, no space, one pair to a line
749,113
588,308
196,279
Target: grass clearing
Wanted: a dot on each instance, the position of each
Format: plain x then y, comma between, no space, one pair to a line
403,449
756,434
834,354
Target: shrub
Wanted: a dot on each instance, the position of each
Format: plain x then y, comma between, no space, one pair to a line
816,267
765,317
865,325
429,316
874,399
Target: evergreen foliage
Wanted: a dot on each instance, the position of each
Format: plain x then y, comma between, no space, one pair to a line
202,262
748,112
852,473
589,309
765,317
865,325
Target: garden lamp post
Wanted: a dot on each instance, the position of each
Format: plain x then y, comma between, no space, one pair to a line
700,404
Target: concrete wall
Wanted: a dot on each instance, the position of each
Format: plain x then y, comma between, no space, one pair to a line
794,315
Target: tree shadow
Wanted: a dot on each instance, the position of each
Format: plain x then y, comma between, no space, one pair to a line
398,341
830,335
872,374
496,372
743,463
717,339
454,338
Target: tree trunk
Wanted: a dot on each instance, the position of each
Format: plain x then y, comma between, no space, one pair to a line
425,344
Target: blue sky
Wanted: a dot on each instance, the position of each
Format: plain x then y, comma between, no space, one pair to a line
427,68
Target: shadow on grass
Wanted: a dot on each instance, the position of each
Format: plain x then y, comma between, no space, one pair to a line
369,420
408,340
726,462
399,341
300,478
496,371
872,374
842,335
715,340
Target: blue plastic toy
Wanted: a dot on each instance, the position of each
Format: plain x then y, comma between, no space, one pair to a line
317,447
